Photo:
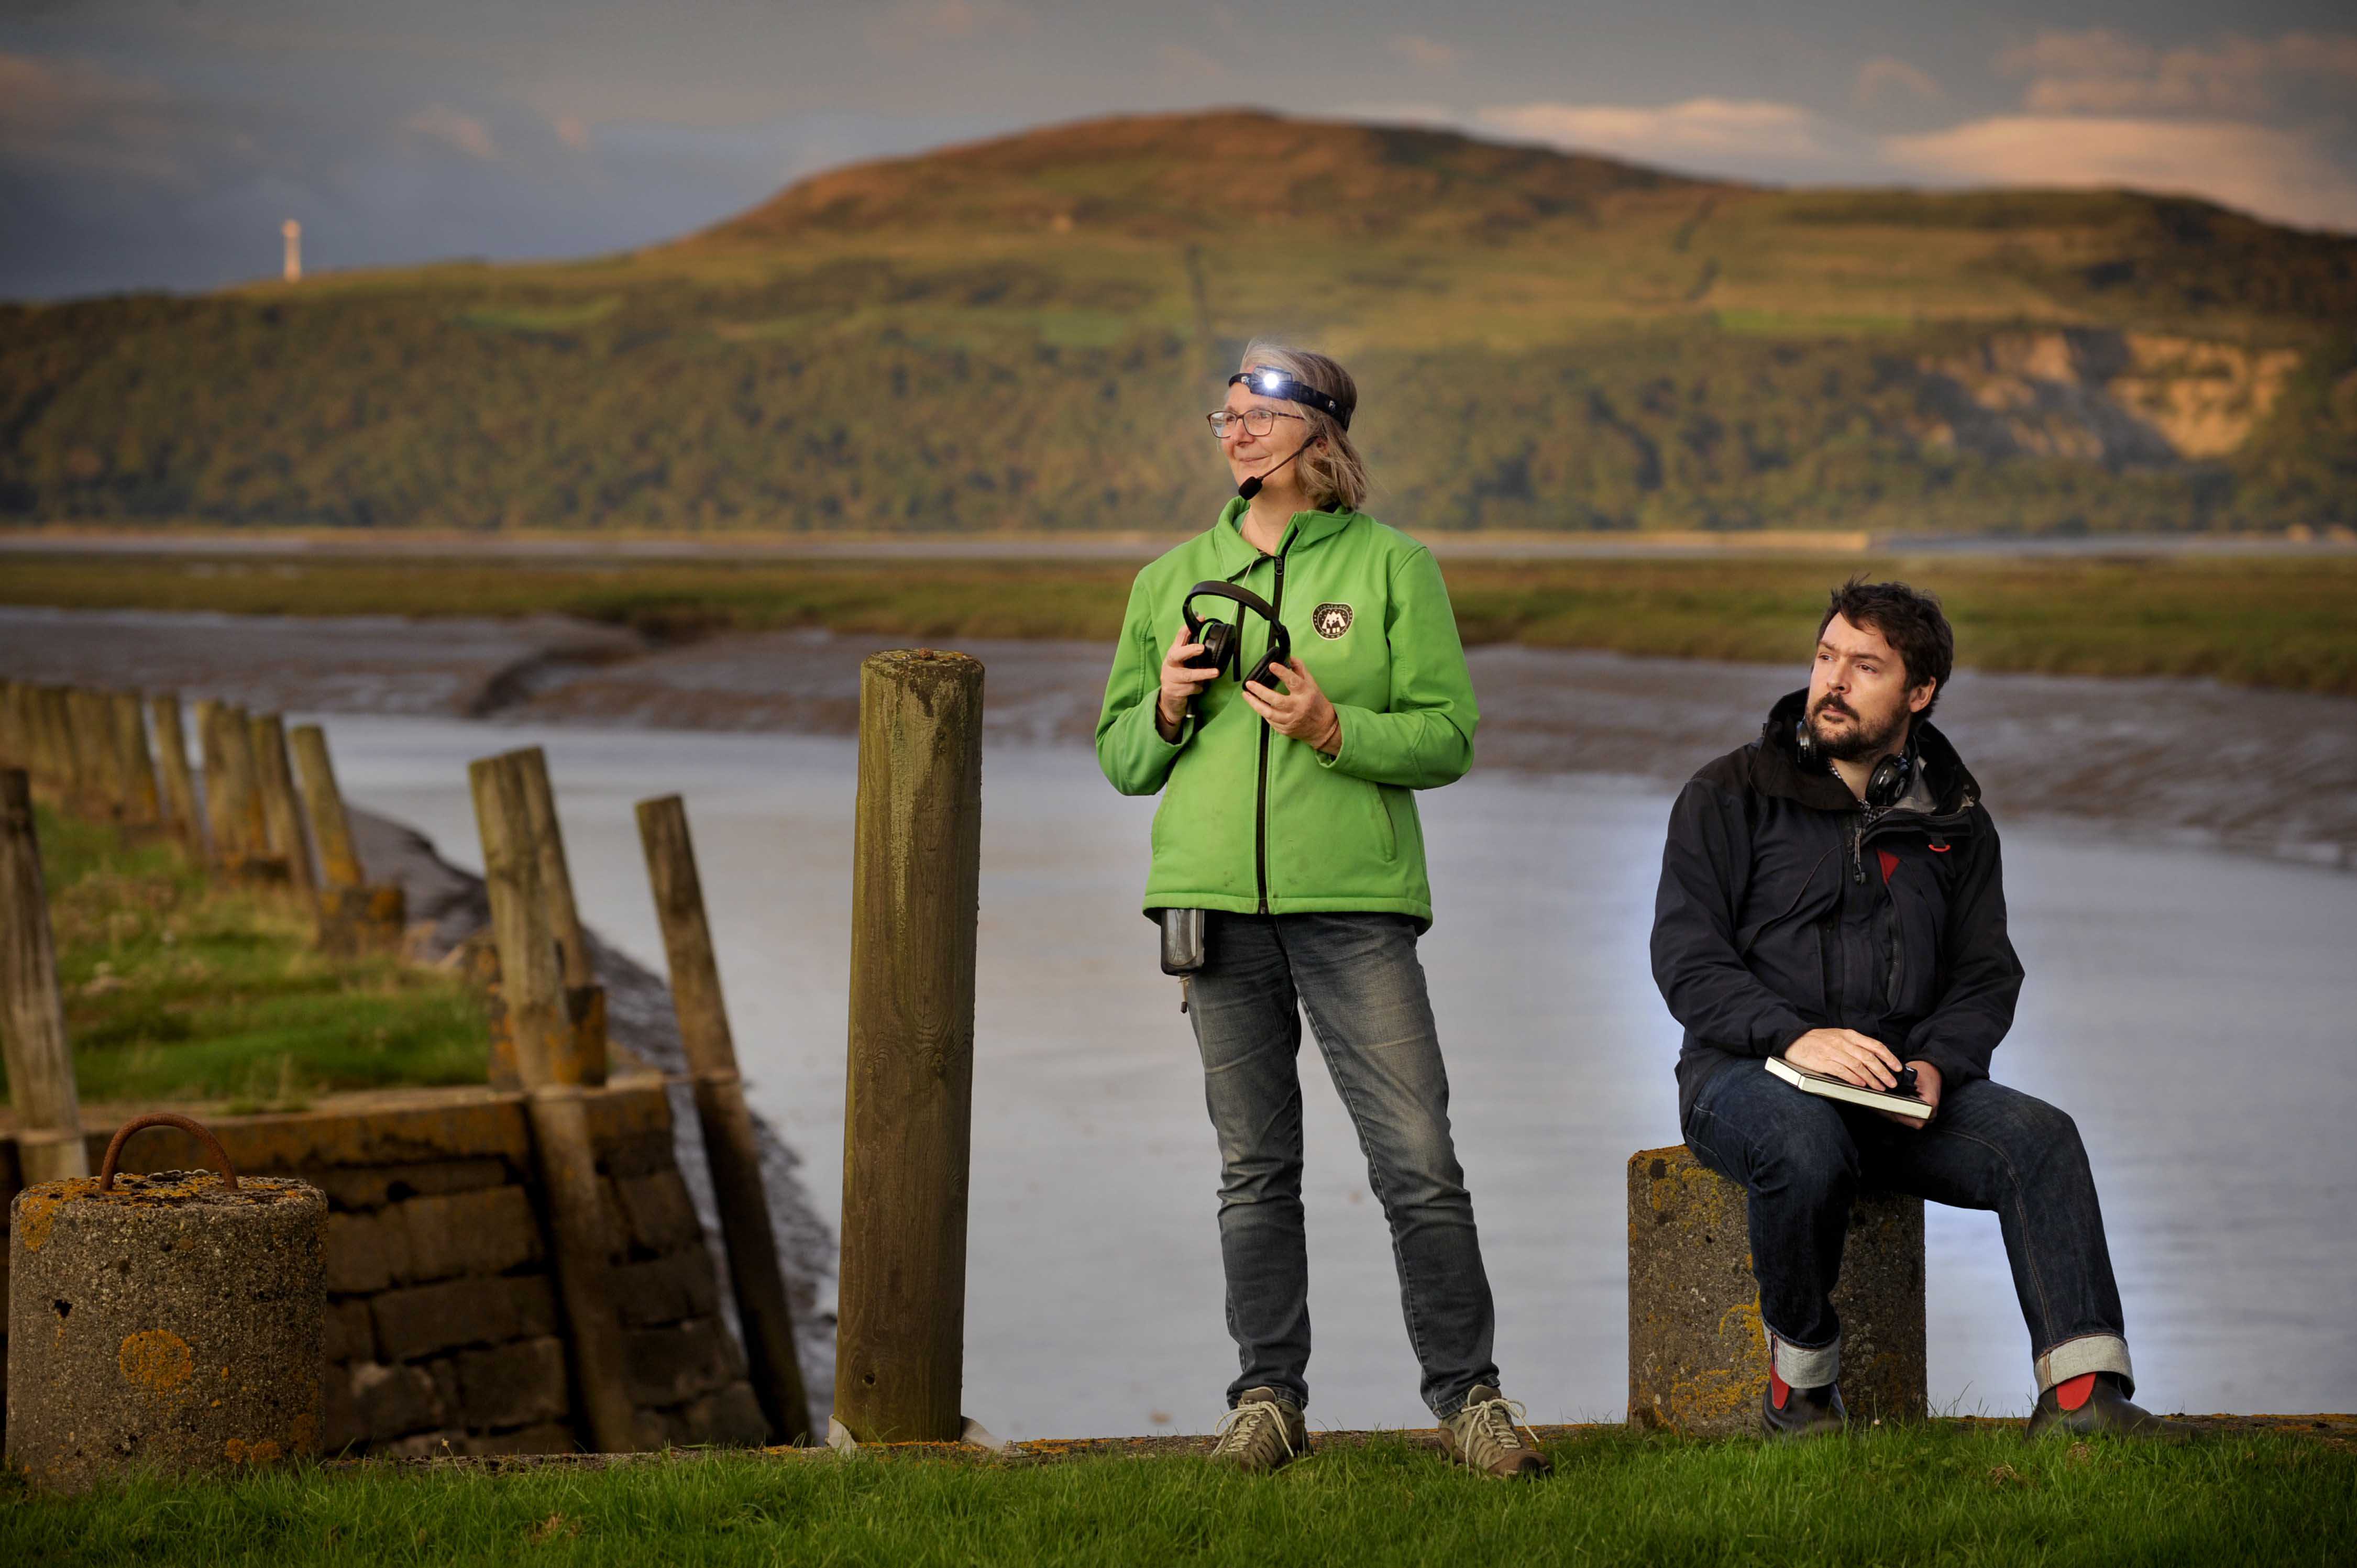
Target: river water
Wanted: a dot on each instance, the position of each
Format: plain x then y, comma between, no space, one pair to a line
2192,1008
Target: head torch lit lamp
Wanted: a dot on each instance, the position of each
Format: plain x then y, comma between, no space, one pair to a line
1269,381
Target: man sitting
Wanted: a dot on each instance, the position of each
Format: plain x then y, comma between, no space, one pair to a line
1831,894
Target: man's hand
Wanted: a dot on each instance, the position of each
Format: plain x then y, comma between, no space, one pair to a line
1301,711
1179,683
1927,1084
1847,1055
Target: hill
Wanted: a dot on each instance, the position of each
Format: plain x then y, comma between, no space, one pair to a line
1023,333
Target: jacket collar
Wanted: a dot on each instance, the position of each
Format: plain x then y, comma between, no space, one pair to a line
1943,787
1236,553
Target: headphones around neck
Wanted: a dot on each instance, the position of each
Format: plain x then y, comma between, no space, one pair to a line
1222,639
1884,786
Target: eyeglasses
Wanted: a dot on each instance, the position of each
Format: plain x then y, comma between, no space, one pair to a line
1258,421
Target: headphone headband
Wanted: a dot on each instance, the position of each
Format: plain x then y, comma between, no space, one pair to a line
1244,596
1270,381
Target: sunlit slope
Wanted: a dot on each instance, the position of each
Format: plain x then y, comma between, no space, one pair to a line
1023,333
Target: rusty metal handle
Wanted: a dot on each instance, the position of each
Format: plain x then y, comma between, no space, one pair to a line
166,1119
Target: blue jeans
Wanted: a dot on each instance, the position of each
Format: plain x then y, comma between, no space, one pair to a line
1802,1157
1357,977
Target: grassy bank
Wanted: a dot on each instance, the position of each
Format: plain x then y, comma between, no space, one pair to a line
179,989
1888,1497
2290,624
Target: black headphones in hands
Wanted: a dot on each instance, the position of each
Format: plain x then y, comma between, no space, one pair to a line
1221,640
1884,786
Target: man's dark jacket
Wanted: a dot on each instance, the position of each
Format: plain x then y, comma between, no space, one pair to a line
1785,906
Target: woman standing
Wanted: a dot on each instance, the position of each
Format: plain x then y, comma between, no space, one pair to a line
1288,816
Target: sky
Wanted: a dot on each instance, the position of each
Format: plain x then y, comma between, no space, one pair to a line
160,143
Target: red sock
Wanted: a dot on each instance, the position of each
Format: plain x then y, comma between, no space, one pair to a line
2072,1392
1779,1390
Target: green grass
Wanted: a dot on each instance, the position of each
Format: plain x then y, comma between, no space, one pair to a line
2260,622
177,990
1919,1496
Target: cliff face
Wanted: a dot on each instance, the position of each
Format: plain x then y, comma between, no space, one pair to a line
2121,399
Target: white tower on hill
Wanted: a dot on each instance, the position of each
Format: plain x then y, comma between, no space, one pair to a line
293,232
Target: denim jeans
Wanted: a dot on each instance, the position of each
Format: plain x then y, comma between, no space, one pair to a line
1802,1157
1357,977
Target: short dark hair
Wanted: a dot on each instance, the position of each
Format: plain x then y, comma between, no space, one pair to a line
1909,620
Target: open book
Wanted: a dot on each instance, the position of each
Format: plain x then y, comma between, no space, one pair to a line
1907,1105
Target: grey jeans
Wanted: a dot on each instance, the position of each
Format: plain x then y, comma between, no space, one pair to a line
1357,977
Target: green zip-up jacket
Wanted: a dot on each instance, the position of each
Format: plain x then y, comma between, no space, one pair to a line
1252,821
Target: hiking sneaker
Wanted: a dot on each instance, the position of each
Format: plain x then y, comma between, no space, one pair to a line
1263,1433
1804,1413
1489,1438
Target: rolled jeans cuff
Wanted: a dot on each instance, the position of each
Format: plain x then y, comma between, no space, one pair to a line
1803,1368
2077,1357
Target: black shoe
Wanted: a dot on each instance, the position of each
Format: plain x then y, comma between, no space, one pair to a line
2107,1411
1807,1413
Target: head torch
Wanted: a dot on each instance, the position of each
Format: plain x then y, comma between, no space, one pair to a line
1272,382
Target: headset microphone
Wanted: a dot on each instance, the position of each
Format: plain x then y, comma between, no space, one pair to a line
1251,486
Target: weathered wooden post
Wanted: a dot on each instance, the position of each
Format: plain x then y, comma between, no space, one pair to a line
354,918
15,748
915,887
143,805
533,991
93,715
585,998
274,783
32,1014
730,1146
225,815
172,758
64,771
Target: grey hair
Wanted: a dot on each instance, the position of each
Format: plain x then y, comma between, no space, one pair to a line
1333,476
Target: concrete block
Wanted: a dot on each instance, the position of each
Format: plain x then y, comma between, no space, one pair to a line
532,1299
657,1211
348,1333
1697,1352
673,1365
548,1437
423,1319
487,1232
373,1187
365,1253
171,1323
395,1400
668,1289
728,1417
340,1427
514,1385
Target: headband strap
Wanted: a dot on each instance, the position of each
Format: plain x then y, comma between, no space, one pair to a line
1269,381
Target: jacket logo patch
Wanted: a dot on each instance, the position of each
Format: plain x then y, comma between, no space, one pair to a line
1329,621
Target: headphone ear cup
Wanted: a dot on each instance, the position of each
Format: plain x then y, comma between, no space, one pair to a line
1889,781
1219,640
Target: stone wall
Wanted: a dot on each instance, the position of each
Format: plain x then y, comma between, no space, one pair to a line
444,1331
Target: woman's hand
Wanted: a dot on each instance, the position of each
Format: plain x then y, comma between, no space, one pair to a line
1301,711
1179,683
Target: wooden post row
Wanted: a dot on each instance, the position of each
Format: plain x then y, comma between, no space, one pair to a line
172,758
730,1144
532,987
274,783
32,1014
323,801
908,1118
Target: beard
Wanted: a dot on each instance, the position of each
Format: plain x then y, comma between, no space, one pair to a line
1862,739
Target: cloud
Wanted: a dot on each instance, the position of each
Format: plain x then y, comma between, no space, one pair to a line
2101,71
919,24
572,131
1430,53
1884,78
440,123
2281,174
64,114
1699,127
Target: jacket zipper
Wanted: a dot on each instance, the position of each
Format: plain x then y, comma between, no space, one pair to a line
1260,814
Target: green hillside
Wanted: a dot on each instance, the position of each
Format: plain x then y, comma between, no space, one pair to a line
1023,333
